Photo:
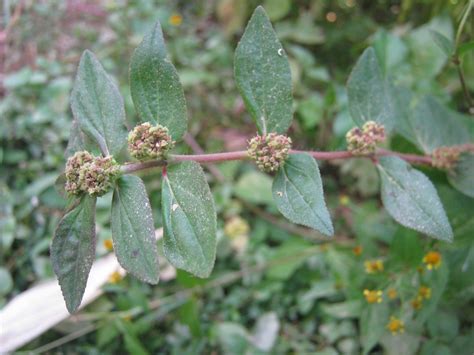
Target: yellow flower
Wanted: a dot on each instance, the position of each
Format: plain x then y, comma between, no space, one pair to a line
392,293
424,292
395,325
175,20
357,250
115,277
432,260
373,266
344,200
417,303
373,296
108,245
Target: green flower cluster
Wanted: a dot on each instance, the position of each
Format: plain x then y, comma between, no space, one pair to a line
86,173
446,157
147,142
364,141
269,151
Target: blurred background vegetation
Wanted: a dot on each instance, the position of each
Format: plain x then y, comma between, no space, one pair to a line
276,287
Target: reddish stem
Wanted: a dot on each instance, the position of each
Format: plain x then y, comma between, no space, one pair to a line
241,155
211,158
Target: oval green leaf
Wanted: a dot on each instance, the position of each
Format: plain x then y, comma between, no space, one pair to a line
411,199
298,193
133,231
369,93
263,77
155,86
73,250
98,106
189,219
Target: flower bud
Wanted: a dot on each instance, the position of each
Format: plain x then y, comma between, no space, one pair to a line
147,142
269,151
364,141
86,173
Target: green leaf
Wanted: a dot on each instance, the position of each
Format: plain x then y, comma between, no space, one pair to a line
462,176
444,127
372,323
189,219
443,42
411,199
465,48
98,106
406,248
277,8
263,77
155,86
426,57
390,49
369,93
298,193
73,250
133,231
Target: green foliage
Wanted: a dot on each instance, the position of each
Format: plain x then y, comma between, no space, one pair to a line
155,87
133,230
411,199
263,76
369,93
189,219
270,278
298,193
73,250
98,106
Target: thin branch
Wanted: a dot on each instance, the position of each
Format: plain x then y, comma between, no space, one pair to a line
242,155
211,158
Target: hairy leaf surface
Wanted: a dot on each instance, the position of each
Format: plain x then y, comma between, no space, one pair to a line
189,219
133,232
98,106
73,250
263,77
411,199
298,193
155,86
369,92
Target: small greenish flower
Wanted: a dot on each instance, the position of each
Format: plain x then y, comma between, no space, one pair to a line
364,141
269,151
446,157
147,142
86,173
